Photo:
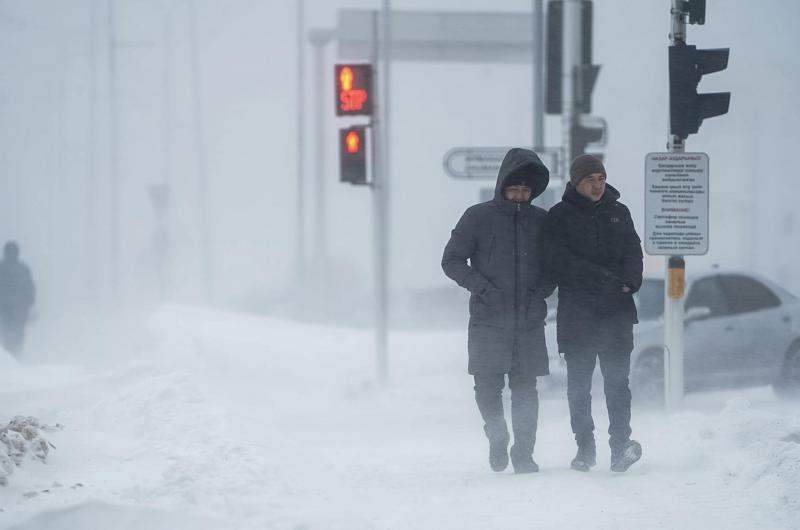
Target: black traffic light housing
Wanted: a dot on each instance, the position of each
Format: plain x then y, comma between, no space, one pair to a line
696,9
353,155
586,132
687,108
586,73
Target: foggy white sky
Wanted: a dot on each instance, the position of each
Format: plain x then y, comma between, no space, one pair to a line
248,96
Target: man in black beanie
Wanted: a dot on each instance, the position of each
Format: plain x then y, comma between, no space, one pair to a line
596,257
496,253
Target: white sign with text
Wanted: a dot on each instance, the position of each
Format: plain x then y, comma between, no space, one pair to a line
676,204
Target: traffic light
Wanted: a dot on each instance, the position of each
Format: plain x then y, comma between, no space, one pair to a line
696,9
687,108
587,132
353,90
586,72
353,155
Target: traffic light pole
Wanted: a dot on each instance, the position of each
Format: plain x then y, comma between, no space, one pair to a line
675,268
114,153
300,249
570,60
379,124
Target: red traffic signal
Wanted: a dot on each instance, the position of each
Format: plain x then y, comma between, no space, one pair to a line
353,90
353,155
352,142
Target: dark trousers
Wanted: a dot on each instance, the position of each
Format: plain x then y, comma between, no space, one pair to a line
13,333
615,368
524,408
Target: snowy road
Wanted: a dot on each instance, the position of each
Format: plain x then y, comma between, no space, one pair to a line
229,421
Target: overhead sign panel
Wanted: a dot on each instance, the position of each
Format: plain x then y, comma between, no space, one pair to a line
439,36
676,204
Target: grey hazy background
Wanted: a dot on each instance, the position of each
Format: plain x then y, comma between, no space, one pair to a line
248,93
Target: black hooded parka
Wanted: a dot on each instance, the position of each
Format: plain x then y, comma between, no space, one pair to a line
17,292
496,253
594,252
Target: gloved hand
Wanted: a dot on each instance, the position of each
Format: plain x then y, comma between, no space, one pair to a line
491,296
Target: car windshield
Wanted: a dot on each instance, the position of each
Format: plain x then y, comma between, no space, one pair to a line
650,299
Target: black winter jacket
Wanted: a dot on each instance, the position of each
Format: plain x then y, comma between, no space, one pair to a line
496,253
595,251
17,292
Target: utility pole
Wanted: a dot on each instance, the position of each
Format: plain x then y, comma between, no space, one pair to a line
162,194
301,143
380,202
114,153
320,40
199,136
91,161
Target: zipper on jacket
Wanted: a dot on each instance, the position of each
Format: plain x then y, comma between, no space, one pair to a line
516,278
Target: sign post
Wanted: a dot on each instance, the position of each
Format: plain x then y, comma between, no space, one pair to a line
676,224
676,183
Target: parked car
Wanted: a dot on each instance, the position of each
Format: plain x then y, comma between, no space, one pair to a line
739,330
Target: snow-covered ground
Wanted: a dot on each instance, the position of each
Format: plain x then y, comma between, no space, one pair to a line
221,420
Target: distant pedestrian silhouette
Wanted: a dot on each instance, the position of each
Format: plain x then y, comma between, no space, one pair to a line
17,295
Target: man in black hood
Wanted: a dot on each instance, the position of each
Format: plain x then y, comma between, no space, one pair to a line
495,252
17,295
596,257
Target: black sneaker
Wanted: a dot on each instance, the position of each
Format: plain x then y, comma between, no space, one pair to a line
523,462
498,455
626,456
585,459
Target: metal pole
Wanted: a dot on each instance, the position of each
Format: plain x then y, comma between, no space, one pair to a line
199,136
91,162
754,200
320,197
114,155
319,39
163,229
537,63
673,305
570,60
380,202
301,142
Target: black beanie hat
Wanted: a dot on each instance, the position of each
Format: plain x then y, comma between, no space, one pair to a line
584,165
517,178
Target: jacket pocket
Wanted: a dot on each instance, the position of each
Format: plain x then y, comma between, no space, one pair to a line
488,309
616,304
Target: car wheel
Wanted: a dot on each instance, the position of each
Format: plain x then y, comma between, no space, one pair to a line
647,379
788,383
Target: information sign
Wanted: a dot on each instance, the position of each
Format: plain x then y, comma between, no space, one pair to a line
676,204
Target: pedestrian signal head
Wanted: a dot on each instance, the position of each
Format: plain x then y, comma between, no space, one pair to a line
354,90
353,155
